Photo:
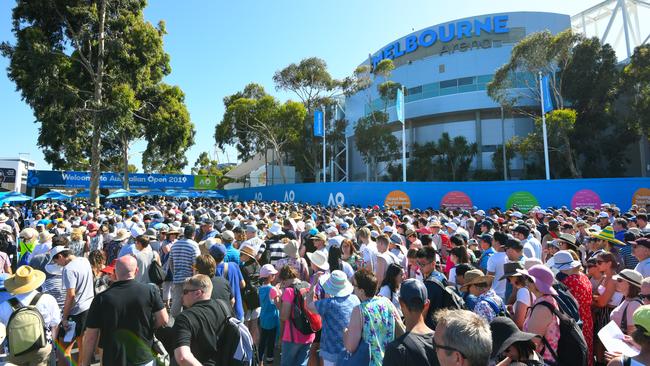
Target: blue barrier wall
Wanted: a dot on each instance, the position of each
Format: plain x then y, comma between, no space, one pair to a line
572,192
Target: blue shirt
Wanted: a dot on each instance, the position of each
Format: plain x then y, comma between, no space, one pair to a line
126,250
335,312
234,278
232,254
485,257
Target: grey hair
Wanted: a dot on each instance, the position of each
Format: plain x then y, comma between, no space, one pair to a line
468,332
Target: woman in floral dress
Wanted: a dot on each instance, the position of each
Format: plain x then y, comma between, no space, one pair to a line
374,322
580,287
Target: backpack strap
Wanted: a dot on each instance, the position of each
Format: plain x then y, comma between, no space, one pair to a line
555,312
15,304
224,273
35,299
624,318
493,305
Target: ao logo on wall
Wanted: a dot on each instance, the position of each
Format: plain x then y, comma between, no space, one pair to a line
289,196
337,199
258,196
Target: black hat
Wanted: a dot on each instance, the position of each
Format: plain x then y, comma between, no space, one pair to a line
510,269
553,224
505,333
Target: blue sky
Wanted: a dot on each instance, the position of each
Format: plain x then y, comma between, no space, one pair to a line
217,47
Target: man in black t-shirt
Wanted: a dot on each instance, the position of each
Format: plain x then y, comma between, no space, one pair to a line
415,347
198,327
206,265
121,319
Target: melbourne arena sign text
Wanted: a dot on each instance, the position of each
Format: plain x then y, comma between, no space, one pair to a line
464,29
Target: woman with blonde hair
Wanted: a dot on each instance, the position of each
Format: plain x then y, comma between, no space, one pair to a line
78,245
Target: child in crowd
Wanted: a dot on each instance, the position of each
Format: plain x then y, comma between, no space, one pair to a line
269,315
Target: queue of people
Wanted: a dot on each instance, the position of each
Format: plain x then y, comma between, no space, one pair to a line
198,281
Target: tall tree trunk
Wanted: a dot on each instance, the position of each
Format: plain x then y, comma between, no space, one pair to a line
125,157
575,173
95,158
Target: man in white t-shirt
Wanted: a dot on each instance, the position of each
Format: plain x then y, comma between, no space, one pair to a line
496,262
368,249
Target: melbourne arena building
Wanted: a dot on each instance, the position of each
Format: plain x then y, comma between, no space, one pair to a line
445,70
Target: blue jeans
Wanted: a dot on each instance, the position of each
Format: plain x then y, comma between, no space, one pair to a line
294,354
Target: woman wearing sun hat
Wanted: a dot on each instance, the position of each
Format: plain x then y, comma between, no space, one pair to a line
512,346
293,259
335,310
580,287
628,282
541,320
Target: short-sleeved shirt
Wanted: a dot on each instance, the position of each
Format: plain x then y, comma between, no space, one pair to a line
124,315
232,254
291,334
411,349
234,279
643,267
198,328
79,275
495,265
183,255
335,313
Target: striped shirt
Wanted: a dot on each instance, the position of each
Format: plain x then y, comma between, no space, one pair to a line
276,252
182,257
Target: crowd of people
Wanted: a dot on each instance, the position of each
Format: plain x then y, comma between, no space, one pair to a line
153,281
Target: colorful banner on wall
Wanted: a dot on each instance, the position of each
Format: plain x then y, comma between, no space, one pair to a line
72,179
525,194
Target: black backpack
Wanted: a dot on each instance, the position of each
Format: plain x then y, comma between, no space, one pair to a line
156,273
450,299
234,338
572,348
567,302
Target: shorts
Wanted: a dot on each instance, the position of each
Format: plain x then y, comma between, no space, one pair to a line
80,324
252,314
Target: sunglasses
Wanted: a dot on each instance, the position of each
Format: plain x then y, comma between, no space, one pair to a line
447,348
188,290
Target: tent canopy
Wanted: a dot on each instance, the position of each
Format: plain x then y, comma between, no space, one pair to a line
251,165
52,195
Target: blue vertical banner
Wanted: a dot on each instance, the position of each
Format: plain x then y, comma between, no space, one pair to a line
399,105
547,100
318,123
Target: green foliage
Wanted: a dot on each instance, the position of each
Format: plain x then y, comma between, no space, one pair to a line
55,65
206,166
637,83
453,158
420,164
256,122
560,124
312,83
497,157
538,52
374,140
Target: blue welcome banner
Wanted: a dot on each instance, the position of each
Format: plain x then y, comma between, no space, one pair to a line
72,179
623,192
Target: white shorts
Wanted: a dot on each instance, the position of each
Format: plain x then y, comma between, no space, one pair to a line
252,314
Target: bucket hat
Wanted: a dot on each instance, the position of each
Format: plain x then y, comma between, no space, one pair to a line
510,269
474,277
122,234
337,284
504,333
564,260
248,251
542,277
291,248
25,280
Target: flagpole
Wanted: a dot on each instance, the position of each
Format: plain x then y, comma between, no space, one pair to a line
324,133
546,160
403,139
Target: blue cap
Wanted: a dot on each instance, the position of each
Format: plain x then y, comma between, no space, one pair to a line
413,292
218,251
344,225
313,231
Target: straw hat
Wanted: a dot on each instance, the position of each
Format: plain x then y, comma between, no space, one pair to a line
122,234
319,259
25,280
248,251
631,276
474,277
608,235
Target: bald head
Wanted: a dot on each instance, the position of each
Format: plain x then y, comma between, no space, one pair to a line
125,268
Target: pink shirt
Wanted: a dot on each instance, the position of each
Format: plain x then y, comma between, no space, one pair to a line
291,334
5,263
